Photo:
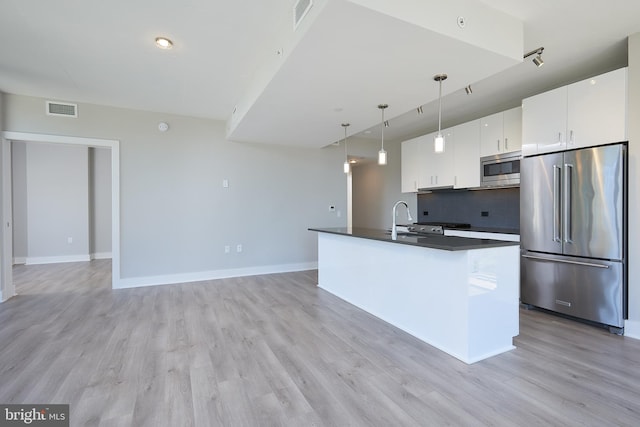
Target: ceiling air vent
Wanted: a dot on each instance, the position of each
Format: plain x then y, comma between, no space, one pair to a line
300,10
62,109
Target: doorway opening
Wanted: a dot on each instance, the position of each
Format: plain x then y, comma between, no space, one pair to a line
8,288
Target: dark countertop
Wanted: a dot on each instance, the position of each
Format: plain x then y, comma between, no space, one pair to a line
433,241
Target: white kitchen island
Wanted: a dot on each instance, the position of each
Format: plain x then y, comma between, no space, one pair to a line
460,295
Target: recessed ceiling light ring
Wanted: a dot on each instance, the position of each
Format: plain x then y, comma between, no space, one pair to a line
164,43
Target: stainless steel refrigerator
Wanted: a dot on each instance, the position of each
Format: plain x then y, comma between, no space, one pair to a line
573,228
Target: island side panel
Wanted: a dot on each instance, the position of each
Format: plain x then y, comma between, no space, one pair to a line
419,290
494,294
433,294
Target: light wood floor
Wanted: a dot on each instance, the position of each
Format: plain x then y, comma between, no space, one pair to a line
276,350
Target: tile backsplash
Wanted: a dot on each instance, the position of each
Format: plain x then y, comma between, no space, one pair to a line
495,208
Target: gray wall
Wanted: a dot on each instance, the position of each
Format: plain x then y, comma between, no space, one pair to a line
57,201
50,160
100,202
376,188
176,217
19,191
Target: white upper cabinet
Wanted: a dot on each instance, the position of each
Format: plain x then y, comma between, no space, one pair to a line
597,110
512,129
501,132
466,153
586,113
544,121
422,167
439,170
490,134
412,164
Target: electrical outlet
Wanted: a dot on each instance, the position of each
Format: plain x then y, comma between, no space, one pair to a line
332,208
484,213
69,240
227,249
425,213
239,248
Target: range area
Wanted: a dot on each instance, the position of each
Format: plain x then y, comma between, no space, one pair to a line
436,227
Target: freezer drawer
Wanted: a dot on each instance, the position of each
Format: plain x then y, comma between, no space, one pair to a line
583,288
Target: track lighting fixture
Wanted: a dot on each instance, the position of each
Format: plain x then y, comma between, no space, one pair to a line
438,141
346,166
382,155
538,59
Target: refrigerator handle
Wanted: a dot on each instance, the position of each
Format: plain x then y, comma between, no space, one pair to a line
568,173
557,191
566,261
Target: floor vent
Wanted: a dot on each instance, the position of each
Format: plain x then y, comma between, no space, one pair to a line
300,10
62,109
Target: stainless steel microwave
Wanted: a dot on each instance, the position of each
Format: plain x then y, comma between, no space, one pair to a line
500,170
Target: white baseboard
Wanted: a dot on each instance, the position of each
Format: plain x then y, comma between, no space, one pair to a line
57,259
135,282
632,329
19,260
101,255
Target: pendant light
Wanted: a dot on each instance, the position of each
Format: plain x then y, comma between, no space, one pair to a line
382,155
438,141
345,167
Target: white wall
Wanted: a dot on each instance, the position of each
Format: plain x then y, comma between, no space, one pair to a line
176,217
6,283
632,326
100,202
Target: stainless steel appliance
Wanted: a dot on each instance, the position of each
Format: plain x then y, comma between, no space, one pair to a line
501,170
435,227
573,228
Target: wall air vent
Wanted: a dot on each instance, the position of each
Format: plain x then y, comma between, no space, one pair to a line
62,109
300,10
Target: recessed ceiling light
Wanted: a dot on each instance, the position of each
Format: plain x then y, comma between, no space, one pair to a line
164,43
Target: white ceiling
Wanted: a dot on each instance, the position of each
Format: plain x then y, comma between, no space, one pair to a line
103,53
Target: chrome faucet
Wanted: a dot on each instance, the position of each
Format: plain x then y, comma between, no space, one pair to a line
394,230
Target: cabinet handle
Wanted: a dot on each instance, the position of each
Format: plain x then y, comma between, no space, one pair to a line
498,144
559,136
571,136
506,144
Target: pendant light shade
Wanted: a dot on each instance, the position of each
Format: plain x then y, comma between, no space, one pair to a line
438,141
345,167
382,155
